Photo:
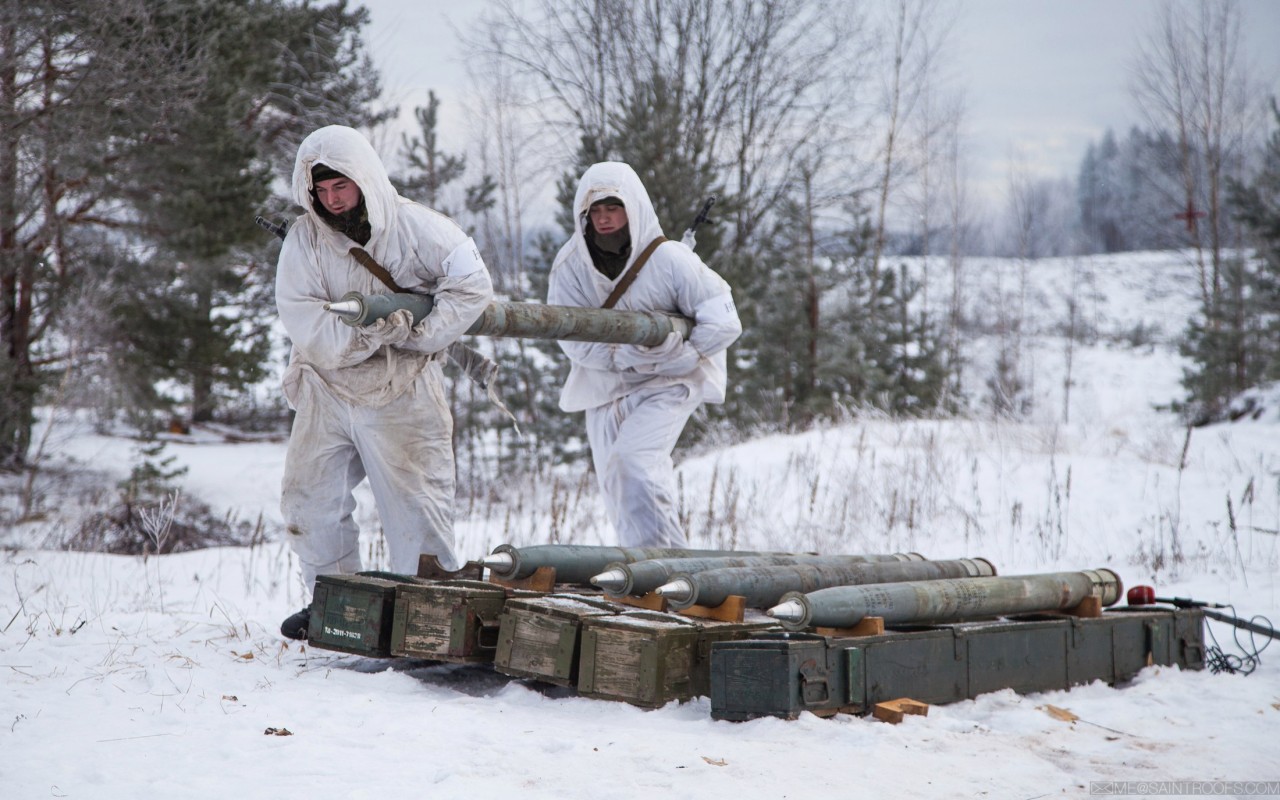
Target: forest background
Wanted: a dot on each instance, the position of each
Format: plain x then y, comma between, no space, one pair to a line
139,138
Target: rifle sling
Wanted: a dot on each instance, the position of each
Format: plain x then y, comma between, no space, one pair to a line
629,278
474,365
377,269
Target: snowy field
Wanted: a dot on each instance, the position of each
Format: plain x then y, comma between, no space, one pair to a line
128,677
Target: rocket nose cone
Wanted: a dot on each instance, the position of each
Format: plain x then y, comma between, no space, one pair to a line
347,308
499,562
610,579
789,611
678,590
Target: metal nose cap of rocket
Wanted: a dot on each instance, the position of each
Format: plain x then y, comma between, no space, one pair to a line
610,579
347,308
678,590
787,611
499,562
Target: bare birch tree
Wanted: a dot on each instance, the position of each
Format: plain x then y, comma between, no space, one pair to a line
959,224
752,83
504,126
913,39
1191,80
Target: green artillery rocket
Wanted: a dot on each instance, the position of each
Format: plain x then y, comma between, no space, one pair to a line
948,600
525,320
519,320
576,563
641,577
763,586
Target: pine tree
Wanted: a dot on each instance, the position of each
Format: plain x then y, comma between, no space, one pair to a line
651,134
1236,345
775,371
917,372
430,168
320,73
204,183
1217,344
199,314
1098,193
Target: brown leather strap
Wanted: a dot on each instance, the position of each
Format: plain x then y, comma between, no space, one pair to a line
377,269
630,277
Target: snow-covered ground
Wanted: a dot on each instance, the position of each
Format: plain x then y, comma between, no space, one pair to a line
129,677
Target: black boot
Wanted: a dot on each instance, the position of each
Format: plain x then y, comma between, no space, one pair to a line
295,627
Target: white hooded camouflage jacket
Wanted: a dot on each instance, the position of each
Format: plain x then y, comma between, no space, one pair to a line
423,250
674,280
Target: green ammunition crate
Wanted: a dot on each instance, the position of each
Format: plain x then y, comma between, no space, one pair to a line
1025,656
783,675
352,613
454,621
649,658
540,637
1117,645
778,674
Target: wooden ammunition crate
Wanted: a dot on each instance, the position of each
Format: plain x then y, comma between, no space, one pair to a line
783,675
539,637
650,658
454,621
352,613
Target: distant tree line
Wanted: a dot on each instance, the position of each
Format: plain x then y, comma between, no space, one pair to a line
1128,194
1197,178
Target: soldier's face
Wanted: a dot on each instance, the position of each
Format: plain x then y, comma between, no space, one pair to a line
338,195
608,217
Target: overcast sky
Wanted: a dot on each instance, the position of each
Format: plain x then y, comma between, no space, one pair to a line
1041,78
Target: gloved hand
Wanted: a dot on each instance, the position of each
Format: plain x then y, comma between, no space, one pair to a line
392,329
684,361
635,356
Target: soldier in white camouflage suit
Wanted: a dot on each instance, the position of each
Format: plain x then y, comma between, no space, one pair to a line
370,400
638,399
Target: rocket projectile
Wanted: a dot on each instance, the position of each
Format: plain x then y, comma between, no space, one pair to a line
763,586
641,577
945,600
578,563
525,320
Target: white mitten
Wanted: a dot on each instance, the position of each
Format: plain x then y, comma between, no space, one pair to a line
393,329
682,363
639,357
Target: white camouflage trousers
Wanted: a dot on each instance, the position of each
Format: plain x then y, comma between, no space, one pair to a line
404,448
631,442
